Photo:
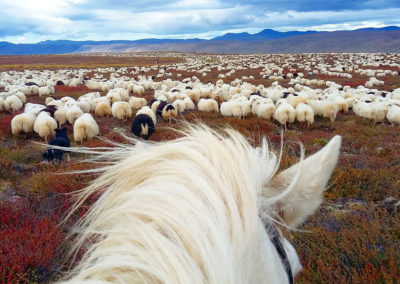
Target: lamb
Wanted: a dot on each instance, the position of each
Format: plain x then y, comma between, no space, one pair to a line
45,125
143,124
85,127
73,113
121,110
23,122
304,113
103,109
137,103
12,103
284,112
61,140
207,105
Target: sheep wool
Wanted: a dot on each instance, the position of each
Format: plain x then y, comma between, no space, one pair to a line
121,110
85,127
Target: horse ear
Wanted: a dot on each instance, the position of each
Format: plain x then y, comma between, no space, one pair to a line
305,196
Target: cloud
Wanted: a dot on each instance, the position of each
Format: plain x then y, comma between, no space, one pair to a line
30,21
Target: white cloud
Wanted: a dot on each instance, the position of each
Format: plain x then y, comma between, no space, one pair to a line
32,21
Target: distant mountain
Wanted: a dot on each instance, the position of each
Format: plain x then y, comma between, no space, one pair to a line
386,39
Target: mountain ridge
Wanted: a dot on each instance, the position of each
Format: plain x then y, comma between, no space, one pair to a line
385,39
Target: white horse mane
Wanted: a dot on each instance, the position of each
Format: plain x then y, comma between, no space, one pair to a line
188,211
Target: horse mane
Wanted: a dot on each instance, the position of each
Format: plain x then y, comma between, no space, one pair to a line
182,211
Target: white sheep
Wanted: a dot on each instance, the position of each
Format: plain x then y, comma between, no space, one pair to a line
189,105
85,127
23,122
73,113
304,113
284,112
12,103
103,109
137,103
46,91
231,108
113,97
33,108
60,115
179,105
393,114
265,110
45,125
121,110
324,108
207,105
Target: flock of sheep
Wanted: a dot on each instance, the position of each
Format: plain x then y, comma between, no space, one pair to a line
119,92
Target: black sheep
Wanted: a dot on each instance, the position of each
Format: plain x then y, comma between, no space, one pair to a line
143,126
61,140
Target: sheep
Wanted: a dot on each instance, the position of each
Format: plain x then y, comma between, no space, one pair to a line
295,100
45,125
143,124
1,103
113,97
121,110
189,105
304,113
169,112
102,109
46,91
33,108
179,105
12,103
84,105
324,108
207,105
393,114
23,122
49,99
73,113
98,100
21,96
264,109
231,108
284,112
85,127
154,105
60,115
137,103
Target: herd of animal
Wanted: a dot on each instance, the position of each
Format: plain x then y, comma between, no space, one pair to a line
120,92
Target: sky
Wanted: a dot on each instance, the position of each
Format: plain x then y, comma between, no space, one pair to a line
31,21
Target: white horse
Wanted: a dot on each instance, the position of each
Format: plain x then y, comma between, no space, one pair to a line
204,208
